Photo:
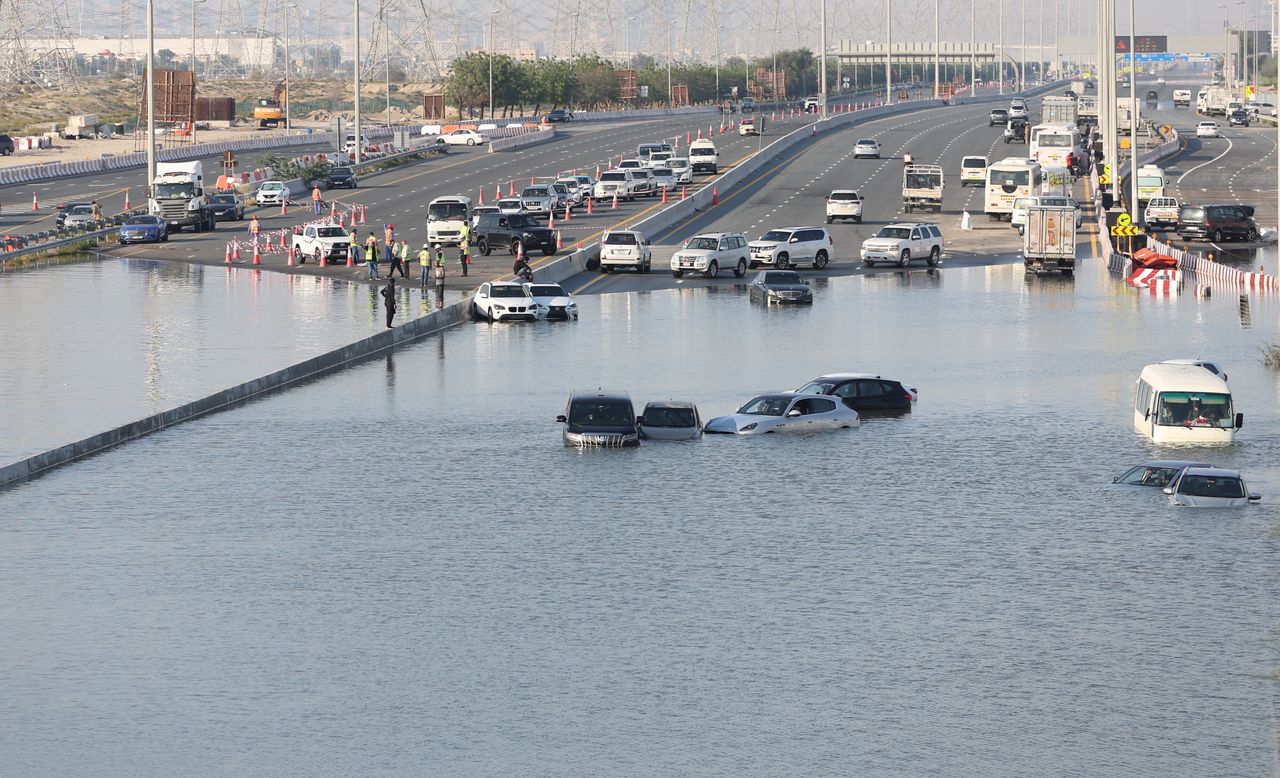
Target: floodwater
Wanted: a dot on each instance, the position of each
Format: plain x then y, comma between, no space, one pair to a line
92,345
401,570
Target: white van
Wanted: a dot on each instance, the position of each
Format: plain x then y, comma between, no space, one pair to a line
446,216
1151,181
1176,403
703,156
973,170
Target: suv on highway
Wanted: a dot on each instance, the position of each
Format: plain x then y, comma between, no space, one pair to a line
703,157
646,184
558,115
844,204
1238,118
902,242
227,206
320,240
498,301
789,246
998,116
625,248
341,175
1217,222
511,231
615,183
6,145
708,252
541,199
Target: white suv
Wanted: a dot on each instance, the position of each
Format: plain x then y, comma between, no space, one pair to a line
615,183
709,252
844,204
789,246
625,248
902,242
502,300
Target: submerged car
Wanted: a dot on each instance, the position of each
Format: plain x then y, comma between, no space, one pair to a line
670,420
864,392
498,301
779,286
553,302
143,228
1209,487
1158,473
785,412
605,419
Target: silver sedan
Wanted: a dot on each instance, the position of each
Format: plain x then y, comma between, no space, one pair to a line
786,412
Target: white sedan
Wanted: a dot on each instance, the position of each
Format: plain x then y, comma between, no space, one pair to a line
463,138
1209,487
1208,130
867,147
553,301
786,412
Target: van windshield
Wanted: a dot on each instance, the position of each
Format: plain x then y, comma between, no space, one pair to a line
1009,177
1151,181
669,417
613,176
702,152
973,162
439,211
598,412
1194,409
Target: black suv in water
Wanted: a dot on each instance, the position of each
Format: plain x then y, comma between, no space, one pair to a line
341,176
509,231
1217,222
862,392
600,419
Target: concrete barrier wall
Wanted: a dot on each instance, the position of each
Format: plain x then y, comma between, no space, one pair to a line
541,135
309,369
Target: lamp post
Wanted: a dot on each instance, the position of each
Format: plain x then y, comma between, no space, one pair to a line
888,52
288,83
1022,49
822,60
488,45
151,94
718,29
1000,59
573,55
973,44
937,54
356,70
670,97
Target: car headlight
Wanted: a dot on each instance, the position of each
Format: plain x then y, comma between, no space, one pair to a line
749,427
772,292
499,307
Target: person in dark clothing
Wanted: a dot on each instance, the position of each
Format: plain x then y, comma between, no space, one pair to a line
521,268
389,297
392,250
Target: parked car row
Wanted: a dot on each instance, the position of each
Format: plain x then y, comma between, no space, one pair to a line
497,301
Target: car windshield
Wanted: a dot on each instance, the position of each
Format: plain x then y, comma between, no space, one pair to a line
766,406
627,163
1208,125
844,196
1189,214
535,191
82,210
508,204
620,239
998,112
776,235
1194,409
340,171
1022,203
897,233
782,277
703,244
270,186
973,162
521,221
669,417
1143,475
561,188
547,290
568,183
816,387
1211,486
226,199
602,413
1154,181
1008,177
442,211
613,176
662,172
504,290
866,142
143,220
331,232
171,191
678,162
702,152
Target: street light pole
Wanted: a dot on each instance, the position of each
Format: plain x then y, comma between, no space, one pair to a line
937,55
151,94
356,70
193,34
1000,59
973,44
888,52
1133,117
671,104
822,61
488,45
288,83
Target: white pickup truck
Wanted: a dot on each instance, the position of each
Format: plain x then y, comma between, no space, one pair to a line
902,242
1162,212
320,240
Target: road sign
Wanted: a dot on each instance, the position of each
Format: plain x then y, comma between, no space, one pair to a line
1143,44
1104,179
1126,232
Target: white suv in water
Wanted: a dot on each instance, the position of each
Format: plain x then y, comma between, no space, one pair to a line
708,252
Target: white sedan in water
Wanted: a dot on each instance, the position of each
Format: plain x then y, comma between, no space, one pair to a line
553,301
786,412
463,138
1209,487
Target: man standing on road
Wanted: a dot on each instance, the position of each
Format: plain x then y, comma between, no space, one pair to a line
389,299
463,258
371,256
424,262
439,276
387,232
97,211
254,227
389,255
316,201
402,251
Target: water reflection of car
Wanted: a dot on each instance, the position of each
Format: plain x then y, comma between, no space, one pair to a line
863,391
599,418
227,207
785,412
553,302
779,286
1210,487
143,229
1158,473
670,420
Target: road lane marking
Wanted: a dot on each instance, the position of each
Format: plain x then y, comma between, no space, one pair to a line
1202,164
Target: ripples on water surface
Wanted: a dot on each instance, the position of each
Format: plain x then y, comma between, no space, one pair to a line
401,570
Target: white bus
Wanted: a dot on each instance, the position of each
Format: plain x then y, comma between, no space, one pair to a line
1184,404
1150,183
446,216
1007,180
1050,144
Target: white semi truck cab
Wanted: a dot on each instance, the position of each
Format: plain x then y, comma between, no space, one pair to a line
178,196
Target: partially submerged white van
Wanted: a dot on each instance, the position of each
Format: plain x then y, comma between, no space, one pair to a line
1178,403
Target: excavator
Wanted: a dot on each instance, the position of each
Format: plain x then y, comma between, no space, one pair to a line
270,110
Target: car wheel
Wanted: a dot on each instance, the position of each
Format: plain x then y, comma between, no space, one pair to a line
782,262
677,273
493,318
1251,235
820,261
124,242
905,259
752,265
648,266
604,270
471,141
485,248
1217,236
857,219
713,270
934,253
740,269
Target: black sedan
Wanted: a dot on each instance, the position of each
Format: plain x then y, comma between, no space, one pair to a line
227,206
864,392
559,115
779,286
342,177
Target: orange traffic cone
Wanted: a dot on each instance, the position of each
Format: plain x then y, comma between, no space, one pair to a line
559,243
257,258
227,260
664,195
683,192
551,220
591,205
615,201
715,195
497,192
284,209
579,248
519,249
351,258
362,215
35,202
568,214
597,171
481,200
126,200
511,190
235,251
688,137
266,248
532,181
290,253
814,134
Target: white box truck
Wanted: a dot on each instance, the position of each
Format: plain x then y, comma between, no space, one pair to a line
1058,110
1049,239
922,187
178,196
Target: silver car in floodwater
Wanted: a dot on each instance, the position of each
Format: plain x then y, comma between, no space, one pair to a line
786,412
670,420
1210,487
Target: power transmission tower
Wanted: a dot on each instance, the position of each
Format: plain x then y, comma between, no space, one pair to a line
35,47
228,28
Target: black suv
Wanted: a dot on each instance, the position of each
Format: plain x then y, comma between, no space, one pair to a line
6,145
227,206
862,392
600,419
998,116
560,115
510,231
1217,222
1238,118
341,176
